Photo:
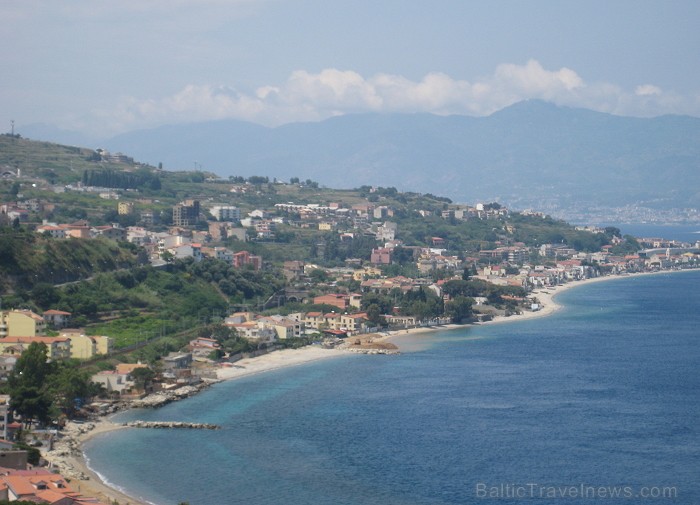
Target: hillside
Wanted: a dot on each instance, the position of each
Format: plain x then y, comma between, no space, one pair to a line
530,155
110,289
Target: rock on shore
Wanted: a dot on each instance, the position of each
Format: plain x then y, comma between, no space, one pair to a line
164,397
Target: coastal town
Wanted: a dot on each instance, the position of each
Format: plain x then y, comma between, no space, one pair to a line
295,273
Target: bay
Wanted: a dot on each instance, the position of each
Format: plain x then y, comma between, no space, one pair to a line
602,394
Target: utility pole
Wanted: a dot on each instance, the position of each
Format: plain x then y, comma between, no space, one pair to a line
12,124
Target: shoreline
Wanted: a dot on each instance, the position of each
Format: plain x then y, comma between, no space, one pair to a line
69,459
76,438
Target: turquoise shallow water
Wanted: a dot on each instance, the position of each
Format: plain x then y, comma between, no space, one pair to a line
604,393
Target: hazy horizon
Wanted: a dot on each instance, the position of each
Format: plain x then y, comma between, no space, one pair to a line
111,67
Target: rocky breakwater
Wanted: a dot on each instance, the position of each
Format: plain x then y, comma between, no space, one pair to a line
171,425
164,397
361,350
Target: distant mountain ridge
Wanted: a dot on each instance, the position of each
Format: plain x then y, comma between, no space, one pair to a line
531,154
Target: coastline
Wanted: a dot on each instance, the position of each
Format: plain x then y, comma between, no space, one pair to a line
77,435
68,457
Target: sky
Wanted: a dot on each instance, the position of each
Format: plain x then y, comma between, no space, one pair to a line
103,67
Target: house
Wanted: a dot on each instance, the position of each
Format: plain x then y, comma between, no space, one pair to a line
219,253
56,318
187,251
203,347
52,230
39,485
284,327
253,331
127,368
113,381
177,361
118,380
381,256
110,232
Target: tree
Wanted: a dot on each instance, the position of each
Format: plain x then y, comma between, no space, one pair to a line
459,309
142,377
374,315
32,367
28,396
70,388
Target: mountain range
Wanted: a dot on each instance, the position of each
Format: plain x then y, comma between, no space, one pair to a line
531,154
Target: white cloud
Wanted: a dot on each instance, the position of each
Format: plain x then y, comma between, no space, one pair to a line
309,96
647,90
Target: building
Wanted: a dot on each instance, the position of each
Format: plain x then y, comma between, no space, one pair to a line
118,380
284,327
225,213
342,301
381,256
115,233
113,381
244,258
56,318
24,323
58,347
85,347
186,213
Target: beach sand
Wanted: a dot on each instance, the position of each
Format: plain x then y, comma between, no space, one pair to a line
73,466
94,486
276,360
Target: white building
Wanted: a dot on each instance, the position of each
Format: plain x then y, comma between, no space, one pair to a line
226,213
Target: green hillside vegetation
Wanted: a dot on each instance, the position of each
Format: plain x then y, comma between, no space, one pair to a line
152,311
54,163
28,260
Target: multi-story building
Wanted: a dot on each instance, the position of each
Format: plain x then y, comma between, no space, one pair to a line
226,213
243,258
58,347
85,347
186,213
21,323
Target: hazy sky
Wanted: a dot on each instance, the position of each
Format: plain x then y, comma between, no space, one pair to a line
107,66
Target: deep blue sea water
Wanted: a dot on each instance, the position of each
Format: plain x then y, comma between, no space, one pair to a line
606,392
687,232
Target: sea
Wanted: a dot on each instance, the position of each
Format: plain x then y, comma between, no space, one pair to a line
689,233
597,403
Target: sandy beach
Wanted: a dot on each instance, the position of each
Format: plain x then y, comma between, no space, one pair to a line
276,360
76,435
69,459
